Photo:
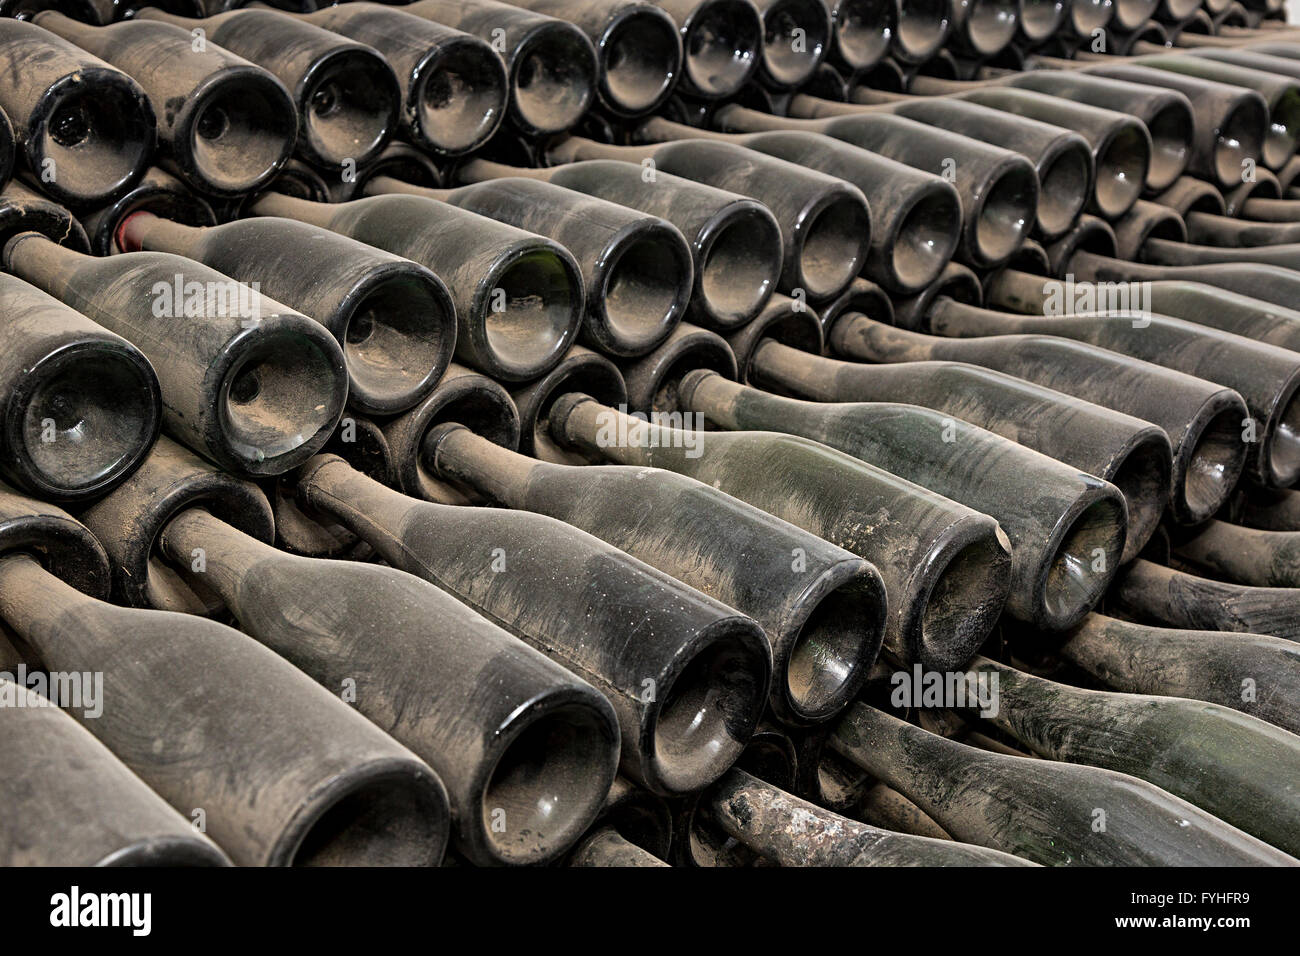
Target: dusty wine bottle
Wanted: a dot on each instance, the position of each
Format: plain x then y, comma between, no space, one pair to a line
897,525
227,125
246,381
453,84
722,42
796,36
1242,555
764,817
1066,528
559,590
1204,421
84,130
394,319
1153,592
518,296
825,222
634,828
1252,673
346,94
735,241
1059,814
337,791
637,268
1241,769
67,801
82,406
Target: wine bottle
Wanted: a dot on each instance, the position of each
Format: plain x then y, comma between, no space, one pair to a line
156,192
885,807
24,210
796,36
1242,555
634,828
1176,598
998,188
1058,814
1131,454
518,296
1066,528
393,319
1204,421
1252,673
735,240
82,405
923,27
550,62
1241,769
793,832
1266,376
84,130
346,94
825,222
67,801
637,269
251,384
916,216
576,599
897,525
638,52
722,43
861,32
336,791
235,123
605,846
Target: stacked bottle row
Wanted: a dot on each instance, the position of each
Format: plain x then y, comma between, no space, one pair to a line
400,476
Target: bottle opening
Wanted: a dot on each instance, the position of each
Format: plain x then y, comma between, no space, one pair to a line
1240,138
991,25
795,33
351,105
642,57
241,134
1003,221
555,75
1122,165
646,291
1084,563
863,31
1063,189
531,313
95,140
722,46
835,236
1040,19
547,786
922,28
836,645
1171,145
739,268
962,604
927,236
1212,465
462,99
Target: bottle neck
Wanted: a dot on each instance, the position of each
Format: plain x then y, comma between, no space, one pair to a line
793,370
213,553
948,317
387,185
371,510
291,207
580,421
482,170
143,231
574,148
911,760
660,130
454,453
862,338
33,601
45,264
1020,291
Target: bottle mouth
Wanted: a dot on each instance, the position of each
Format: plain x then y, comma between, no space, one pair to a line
548,783
1283,132
94,139
88,422
1088,16
739,266
722,47
1002,222
393,813
184,851
581,370
553,79
863,30
1133,14
991,25
1143,476
279,398
1240,138
922,28
1208,462
1122,164
531,310
710,709
640,60
1087,554
834,235
963,597
239,131
349,106
836,644
1041,19
646,288
1065,181
1172,130
925,239
795,35
461,97
1282,449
